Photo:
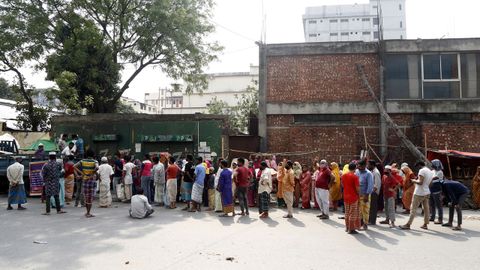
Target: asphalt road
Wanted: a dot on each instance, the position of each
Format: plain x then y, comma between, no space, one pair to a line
174,239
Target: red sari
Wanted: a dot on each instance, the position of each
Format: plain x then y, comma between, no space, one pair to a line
306,183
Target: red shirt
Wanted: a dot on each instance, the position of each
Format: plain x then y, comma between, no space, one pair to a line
323,178
243,177
390,182
172,171
350,185
147,168
69,170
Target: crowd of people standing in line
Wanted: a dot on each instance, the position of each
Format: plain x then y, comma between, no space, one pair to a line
359,188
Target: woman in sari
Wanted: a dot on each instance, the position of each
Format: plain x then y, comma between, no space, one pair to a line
408,188
252,188
225,188
476,188
335,188
306,183
69,179
280,176
297,174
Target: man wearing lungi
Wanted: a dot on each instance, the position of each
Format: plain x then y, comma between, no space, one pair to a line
16,191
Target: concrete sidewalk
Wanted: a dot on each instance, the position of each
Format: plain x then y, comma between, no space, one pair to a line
175,239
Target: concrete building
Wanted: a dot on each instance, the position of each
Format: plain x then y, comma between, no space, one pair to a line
313,100
138,106
357,22
222,86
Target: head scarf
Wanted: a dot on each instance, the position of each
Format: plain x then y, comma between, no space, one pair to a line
437,165
335,170
297,169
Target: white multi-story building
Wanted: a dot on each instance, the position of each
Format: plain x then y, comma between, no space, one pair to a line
357,22
138,106
226,87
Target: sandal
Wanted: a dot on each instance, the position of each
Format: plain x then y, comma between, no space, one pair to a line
61,212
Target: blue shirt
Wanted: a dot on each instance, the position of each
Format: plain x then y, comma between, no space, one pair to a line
454,190
366,181
200,174
79,145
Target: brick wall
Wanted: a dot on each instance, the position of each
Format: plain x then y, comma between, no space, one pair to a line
319,78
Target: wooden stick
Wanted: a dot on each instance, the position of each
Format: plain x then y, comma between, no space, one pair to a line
448,161
379,159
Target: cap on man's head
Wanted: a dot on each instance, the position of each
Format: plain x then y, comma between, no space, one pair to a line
17,157
388,167
323,161
40,144
104,159
52,154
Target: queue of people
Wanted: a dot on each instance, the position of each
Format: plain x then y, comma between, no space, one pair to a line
360,189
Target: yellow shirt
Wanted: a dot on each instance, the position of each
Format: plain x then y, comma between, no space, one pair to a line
289,181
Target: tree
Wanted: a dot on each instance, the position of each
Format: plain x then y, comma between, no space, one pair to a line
6,91
123,108
239,114
170,35
23,37
83,68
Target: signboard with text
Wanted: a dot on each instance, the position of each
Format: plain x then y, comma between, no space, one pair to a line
35,175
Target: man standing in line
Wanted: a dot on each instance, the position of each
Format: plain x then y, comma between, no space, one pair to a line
158,174
88,168
146,177
117,174
456,193
51,179
128,171
105,172
264,189
366,188
172,171
351,195
188,179
16,191
377,184
197,190
288,188
322,183
242,181
421,195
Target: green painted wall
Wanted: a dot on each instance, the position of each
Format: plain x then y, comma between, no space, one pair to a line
130,130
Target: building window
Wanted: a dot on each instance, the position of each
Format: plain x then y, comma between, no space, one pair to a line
375,21
312,22
333,34
365,19
344,33
366,33
401,24
334,21
375,35
374,7
441,76
344,20
399,6
312,35
401,36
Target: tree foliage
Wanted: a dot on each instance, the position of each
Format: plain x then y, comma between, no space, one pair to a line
6,91
51,35
238,115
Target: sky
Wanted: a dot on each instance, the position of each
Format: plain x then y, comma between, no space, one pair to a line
239,24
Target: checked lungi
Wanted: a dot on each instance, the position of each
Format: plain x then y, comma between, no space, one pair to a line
17,195
89,187
197,193
352,216
263,202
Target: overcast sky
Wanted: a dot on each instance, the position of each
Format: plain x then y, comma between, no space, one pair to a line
239,24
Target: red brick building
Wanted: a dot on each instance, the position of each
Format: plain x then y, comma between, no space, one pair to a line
313,100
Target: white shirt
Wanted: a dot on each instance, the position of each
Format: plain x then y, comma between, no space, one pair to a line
265,182
158,173
139,206
423,190
377,180
15,173
217,176
67,152
128,168
105,171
